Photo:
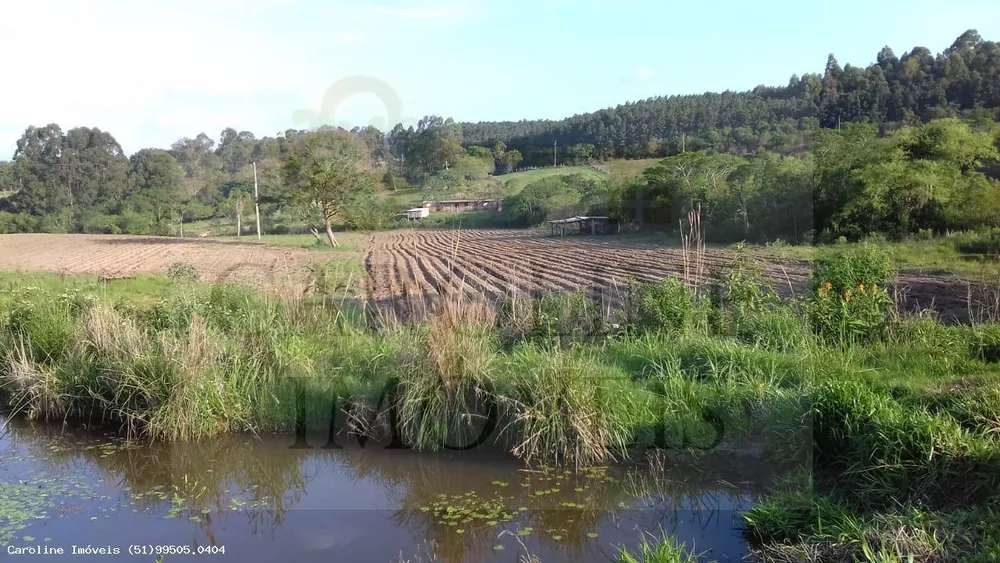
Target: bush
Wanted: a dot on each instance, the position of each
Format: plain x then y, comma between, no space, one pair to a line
182,271
847,304
986,343
667,305
133,223
61,222
17,223
746,293
866,264
563,319
979,242
99,225
859,315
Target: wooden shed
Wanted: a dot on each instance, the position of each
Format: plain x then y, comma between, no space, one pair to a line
465,205
417,213
584,225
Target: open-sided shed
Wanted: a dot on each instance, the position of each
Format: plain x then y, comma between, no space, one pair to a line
583,225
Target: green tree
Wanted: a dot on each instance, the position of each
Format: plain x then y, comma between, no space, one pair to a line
238,201
327,172
7,183
155,177
94,167
36,171
235,152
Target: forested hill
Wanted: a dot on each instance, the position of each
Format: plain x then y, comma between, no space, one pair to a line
964,80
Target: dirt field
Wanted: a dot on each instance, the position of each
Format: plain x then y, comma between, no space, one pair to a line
279,269
409,271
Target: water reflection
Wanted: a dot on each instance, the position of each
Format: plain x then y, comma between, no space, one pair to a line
262,499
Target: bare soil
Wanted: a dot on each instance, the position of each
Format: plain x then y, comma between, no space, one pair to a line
277,270
410,271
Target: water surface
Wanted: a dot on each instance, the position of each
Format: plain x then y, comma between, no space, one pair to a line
263,501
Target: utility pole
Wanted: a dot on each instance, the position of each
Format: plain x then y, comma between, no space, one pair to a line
554,143
256,199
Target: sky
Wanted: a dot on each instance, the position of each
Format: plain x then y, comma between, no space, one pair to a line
153,72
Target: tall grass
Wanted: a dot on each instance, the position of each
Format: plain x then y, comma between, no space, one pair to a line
897,419
663,550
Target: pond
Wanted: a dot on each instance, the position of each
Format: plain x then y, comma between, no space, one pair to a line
260,500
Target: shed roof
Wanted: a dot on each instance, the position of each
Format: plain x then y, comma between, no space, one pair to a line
464,201
578,219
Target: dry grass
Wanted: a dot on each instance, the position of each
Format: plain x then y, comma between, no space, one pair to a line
693,245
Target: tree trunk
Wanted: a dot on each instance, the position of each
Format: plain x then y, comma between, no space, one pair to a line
315,233
329,234
640,203
239,225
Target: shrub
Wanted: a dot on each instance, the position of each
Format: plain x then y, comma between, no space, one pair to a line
746,294
450,375
16,223
99,224
516,319
986,343
563,319
847,304
667,305
858,315
567,408
182,272
866,264
979,242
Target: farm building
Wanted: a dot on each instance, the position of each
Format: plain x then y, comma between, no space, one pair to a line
416,213
464,205
584,225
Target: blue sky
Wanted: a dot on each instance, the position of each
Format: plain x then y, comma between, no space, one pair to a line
153,72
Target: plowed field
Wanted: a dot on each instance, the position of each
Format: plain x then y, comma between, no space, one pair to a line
272,269
409,271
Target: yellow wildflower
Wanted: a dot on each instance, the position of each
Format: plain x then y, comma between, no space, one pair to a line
848,295
861,288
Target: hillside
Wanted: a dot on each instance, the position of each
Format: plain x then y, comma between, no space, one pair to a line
964,80
514,182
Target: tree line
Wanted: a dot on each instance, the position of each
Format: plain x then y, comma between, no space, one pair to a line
850,151
963,81
80,180
920,180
